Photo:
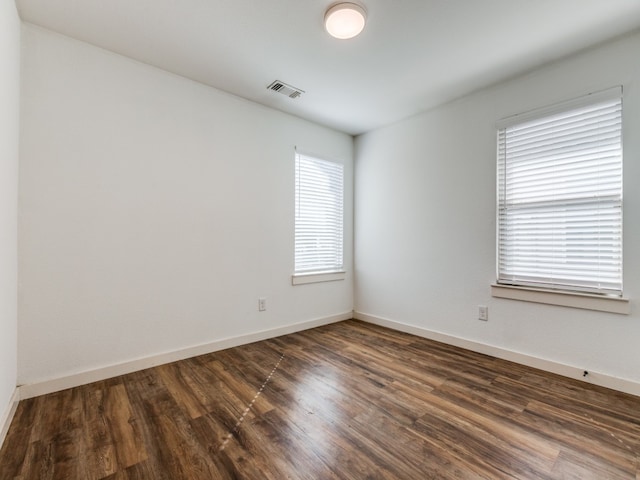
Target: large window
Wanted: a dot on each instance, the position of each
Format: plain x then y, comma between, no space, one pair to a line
319,200
560,196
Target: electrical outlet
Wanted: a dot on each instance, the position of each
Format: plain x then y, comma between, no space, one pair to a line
483,313
262,304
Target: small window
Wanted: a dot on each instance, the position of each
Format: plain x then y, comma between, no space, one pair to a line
560,196
319,224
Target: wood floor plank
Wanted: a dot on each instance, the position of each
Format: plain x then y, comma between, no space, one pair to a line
175,378
496,443
623,420
572,432
127,440
343,401
579,466
101,454
243,391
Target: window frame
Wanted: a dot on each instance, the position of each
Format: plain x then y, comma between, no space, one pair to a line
560,294
331,271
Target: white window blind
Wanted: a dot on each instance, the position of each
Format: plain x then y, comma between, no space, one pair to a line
319,192
560,196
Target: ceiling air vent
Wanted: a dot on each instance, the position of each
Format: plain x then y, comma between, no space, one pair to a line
284,89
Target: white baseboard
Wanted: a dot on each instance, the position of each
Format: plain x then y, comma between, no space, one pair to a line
62,383
7,417
603,380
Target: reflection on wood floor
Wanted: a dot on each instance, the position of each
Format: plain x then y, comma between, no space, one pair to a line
347,401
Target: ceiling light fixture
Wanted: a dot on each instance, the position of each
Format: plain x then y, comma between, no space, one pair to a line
345,20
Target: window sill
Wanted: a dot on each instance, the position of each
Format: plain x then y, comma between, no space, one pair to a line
305,278
564,299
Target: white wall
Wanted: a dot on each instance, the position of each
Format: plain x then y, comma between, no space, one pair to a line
154,211
9,141
425,221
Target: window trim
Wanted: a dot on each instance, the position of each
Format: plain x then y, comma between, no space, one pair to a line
563,298
317,277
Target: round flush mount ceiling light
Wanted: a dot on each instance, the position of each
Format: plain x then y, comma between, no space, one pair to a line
344,20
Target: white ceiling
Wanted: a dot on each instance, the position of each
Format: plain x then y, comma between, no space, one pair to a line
412,55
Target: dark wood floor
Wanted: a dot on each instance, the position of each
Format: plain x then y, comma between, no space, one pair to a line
348,400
